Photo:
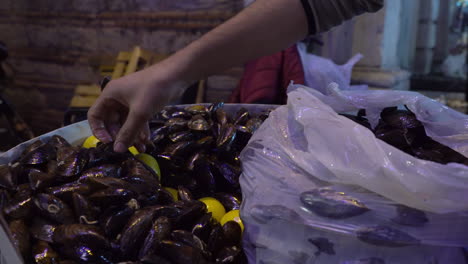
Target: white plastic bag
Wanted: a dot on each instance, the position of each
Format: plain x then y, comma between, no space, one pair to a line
319,71
306,145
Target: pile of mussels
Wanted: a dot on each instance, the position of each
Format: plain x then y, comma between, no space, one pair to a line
66,204
401,129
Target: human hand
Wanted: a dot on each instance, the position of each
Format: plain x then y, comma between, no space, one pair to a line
122,111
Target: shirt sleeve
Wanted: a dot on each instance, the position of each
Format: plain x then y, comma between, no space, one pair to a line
322,15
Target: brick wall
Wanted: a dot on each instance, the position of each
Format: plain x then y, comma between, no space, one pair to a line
51,43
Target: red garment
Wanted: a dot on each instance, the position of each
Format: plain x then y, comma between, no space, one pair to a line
266,80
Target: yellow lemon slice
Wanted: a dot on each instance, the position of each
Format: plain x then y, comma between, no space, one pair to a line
214,207
134,151
233,215
151,162
90,142
173,192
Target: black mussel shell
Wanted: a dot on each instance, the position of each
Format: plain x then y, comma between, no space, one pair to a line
193,159
106,182
229,180
42,229
323,245
400,119
30,148
140,176
8,179
105,170
229,201
65,191
266,213
189,215
176,124
39,155
114,219
184,194
204,174
254,123
133,233
216,240
179,253
71,161
332,204
197,110
181,149
229,255
154,259
20,237
58,142
409,216
164,197
226,137
202,227
386,236
232,233
53,208
86,254
358,119
85,212
242,116
215,106
43,253
20,206
39,179
111,196
4,198
181,136
198,123
159,134
221,117
189,239
160,230
79,234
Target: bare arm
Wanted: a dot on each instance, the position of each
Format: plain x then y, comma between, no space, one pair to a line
122,111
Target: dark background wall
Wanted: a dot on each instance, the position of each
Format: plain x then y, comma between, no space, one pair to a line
53,43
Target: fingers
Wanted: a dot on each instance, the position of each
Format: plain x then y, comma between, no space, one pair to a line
96,116
130,130
143,139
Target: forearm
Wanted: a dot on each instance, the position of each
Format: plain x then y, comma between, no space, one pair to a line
263,28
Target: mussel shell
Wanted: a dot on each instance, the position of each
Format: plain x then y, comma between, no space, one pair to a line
160,230
164,197
193,159
216,240
205,143
202,227
323,245
400,119
154,259
179,253
42,229
184,194
229,180
176,124
204,174
140,175
160,133
8,179
85,254
72,163
232,233
197,110
43,253
222,117
111,196
106,182
189,216
20,206
105,170
104,154
229,201
58,142
198,123
332,204
65,191
4,198
40,155
409,216
266,213
226,137
181,149
53,208
132,235
84,211
113,221
386,236
191,240
31,148
39,179
20,237
79,234
253,124
230,255
181,136
242,116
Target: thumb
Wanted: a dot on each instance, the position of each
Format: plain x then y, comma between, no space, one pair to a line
130,130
